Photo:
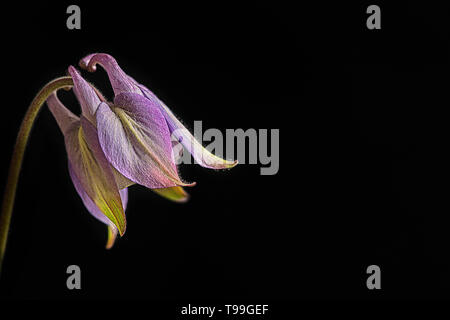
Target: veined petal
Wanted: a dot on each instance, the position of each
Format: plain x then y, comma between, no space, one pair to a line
112,230
94,209
124,197
176,194
69,125
178,130
86,95
87,201
64,117
122,181
120,81
177,151
136,141
94,173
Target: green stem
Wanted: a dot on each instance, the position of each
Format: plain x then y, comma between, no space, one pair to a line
17,156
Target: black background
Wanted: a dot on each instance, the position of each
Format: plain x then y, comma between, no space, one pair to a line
362,176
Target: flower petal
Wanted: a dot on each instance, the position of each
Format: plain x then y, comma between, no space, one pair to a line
177,151
87,201
120,81
112,235
64,117
136,141
178,130
94,173
176,194
70,124
122,182
86,95
112,230
94,209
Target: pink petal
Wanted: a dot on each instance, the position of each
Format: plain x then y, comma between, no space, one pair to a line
94,209
201,155
64,117
89,204
136,141
86,95
94,173
120,82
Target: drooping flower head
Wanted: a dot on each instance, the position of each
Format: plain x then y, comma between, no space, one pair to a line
113,145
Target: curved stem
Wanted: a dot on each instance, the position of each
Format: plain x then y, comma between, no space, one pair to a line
17,156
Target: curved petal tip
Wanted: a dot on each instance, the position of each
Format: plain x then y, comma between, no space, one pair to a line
176,194
84,63
187,184
112,234
232,164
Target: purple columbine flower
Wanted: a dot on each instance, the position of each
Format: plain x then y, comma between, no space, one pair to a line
111,146
115,145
